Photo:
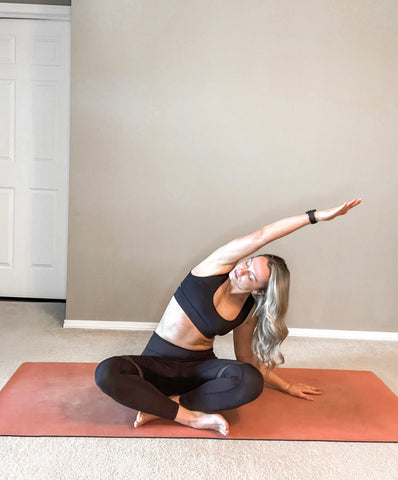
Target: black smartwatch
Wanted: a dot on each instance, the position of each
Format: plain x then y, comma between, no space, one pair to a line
311,216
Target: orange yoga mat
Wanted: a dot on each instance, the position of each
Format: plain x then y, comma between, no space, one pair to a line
61,399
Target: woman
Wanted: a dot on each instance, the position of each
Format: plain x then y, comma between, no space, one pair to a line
178,376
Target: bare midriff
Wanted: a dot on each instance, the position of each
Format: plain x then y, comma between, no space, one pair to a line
177,328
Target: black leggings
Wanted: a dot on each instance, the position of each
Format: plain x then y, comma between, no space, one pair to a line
205,383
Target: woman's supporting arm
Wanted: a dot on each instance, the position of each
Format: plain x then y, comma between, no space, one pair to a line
232,252
242,345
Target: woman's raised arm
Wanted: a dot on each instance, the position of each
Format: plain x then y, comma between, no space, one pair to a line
232,252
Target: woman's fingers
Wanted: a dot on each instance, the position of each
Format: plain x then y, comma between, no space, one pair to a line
347,206
310,389
305,394
306,397
336,211
305,391
353,203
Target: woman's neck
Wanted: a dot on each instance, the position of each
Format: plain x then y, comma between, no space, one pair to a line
235,292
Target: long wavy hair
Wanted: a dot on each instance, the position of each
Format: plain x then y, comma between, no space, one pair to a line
271,309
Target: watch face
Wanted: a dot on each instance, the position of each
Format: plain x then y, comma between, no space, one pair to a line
311,216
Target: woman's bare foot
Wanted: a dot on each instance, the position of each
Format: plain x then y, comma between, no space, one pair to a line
202,421
199,420
144,418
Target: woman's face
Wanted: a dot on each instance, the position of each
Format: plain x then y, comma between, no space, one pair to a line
251,275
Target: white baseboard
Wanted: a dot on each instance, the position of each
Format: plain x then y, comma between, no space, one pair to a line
344,334
104,325
293,332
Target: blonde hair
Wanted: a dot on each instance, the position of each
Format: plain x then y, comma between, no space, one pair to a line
271,309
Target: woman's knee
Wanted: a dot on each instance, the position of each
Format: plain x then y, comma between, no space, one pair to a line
106,372
253,380
248,380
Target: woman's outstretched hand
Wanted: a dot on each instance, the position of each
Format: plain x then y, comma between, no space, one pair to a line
302,391
323,215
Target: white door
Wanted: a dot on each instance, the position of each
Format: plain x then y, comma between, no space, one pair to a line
34,157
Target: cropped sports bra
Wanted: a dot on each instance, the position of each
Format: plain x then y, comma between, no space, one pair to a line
195,297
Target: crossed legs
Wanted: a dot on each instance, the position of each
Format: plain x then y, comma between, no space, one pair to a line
197,389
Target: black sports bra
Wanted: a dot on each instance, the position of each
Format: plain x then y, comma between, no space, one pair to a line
195,297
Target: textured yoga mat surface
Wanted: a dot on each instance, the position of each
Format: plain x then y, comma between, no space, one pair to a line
61,399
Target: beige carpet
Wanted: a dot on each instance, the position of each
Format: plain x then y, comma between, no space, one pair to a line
33,332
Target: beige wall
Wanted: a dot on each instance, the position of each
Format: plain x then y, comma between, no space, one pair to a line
194,122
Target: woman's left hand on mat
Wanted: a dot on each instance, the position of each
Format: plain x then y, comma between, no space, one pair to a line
302,391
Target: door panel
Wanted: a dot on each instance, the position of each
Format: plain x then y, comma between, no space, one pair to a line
34,157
